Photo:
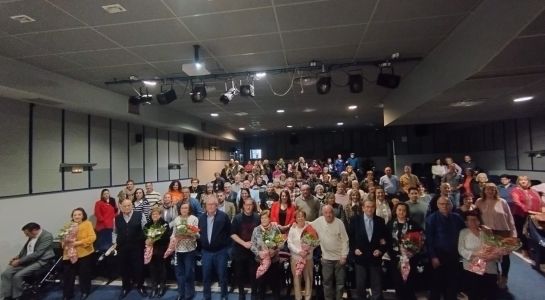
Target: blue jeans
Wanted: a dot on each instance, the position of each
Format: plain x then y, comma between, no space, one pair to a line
104,239
214,262
185,274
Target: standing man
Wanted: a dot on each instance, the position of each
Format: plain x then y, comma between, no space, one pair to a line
129,239
355,163
196,208
225,206
390,184
339,165
442,230
408,180
505,188
468,164
334,246
230,195
169,211
308,203
368,242
152,196
129,189
218,182
417,207
455,181
244,264
35,255
215,228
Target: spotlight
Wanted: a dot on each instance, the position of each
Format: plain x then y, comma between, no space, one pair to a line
198,92
229,94
165,98
389,80
323,85
143,97
355,82
247,90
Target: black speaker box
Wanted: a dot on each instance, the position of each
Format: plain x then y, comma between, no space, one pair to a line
166,97
189,141
388,80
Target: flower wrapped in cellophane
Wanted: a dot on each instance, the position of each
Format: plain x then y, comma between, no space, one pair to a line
271,239
153,234
410,244
494,247
182,231
309,241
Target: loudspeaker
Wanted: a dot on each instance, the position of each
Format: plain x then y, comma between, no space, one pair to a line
166,97
388,80
189,141
294,139
421,130
138,138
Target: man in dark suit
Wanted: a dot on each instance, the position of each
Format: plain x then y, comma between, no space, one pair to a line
215,228
35,255
129,239
368,242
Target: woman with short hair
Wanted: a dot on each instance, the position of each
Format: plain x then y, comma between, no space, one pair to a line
158,264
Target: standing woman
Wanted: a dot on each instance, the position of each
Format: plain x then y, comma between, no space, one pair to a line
353,207
141,204
438,170
283,211
77,254
297,253
175,191
208,193
398,227
186,247
105,212
158,264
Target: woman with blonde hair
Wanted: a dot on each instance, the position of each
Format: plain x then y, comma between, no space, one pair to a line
297,253
525,201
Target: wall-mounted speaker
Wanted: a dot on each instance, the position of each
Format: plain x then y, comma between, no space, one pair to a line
138,138
388,80
189,141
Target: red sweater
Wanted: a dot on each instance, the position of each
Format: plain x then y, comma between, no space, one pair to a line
105,215
525,200
275,213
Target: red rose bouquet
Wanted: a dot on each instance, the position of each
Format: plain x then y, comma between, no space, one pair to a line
411,243
181,231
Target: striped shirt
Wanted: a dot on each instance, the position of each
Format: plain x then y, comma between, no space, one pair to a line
144,207
153,198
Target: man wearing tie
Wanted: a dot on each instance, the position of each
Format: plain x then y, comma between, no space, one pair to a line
215,228
368,242
36,253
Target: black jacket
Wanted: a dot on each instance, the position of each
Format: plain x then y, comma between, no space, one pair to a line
161,245
358,240
221,232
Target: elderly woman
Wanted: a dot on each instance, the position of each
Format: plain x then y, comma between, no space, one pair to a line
319,193
271,277
383,209
158,264
77,255
338,210
186,251
105,210
481,179
525,200
208,193
297,253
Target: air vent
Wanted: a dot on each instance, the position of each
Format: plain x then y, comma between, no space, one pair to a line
114,8
23,19
466,103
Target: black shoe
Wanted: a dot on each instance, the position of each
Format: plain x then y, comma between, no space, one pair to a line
124,294
162,291
84,296
142,291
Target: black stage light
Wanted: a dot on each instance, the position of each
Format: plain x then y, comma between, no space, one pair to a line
198,93
165,98
355,82
389,80
247,90
323,86
228,96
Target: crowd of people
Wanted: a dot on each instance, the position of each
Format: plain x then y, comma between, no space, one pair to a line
369,223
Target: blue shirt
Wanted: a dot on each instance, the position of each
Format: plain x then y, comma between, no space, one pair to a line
442,233
209,227
389,184
505,192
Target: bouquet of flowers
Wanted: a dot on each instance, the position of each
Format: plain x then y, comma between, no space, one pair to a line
153,233
67,235
494,247
270,240
411,243
309,241
181,231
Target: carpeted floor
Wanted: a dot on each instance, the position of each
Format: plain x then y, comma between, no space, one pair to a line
524,284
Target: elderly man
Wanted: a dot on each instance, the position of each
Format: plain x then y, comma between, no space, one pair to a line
334,246
390,183
215,228
308,203
129,239
35,255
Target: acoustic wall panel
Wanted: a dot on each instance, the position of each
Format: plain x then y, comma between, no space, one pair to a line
523,144
192,163
162,153
173,154
511,154
100,151
183,154
46,149
136,153
538,142
119,153
76,149
150,155
14,152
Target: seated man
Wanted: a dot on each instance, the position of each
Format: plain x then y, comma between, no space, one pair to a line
35,255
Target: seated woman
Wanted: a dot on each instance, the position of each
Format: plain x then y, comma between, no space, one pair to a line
77,255
158,264
470,241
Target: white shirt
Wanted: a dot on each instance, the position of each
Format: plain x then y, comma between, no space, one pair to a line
333,238
32,243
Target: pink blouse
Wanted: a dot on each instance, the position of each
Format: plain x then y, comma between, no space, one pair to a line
496,215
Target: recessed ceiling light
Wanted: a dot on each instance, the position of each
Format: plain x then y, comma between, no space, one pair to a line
280,111
214,114
340,123
241,128
149,82
289,126
241,114
260,75
309,127
352,107
114,8
22,19
522,99
307,110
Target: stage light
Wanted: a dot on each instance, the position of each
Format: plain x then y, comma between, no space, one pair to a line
229,93
389,80
165,98
247,90
323,86
355,82
522,99
198,92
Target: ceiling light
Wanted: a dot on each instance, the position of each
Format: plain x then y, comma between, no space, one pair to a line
522,99
466,103
149,82
352,107
241,114
22,19
241,128
114,8
355,83
195,68
198,65
389,80
260,75
289,126
307,110
280,111
198,92
340,123
323,86
214,115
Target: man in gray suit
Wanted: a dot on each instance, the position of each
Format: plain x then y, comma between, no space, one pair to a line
35,255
